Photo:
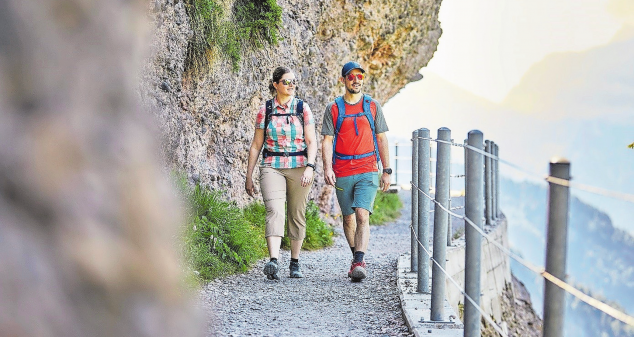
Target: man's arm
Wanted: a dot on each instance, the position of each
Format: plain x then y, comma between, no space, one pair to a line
326,153
384,153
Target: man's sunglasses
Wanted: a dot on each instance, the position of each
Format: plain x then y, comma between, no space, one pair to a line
358,76
287,82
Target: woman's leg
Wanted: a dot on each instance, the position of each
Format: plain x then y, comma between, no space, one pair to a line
296,247
296,200
273,186
274,243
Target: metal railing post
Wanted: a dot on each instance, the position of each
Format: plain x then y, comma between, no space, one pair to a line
396,163
414,254
556,248
473,210
443,162
488,185
423,210
449,234
493,184
496,193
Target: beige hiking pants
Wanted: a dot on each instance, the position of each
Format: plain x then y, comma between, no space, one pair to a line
280,186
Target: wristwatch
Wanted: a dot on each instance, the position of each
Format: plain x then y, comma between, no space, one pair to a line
311,165
387,170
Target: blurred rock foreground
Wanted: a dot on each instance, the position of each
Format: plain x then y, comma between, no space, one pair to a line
88,218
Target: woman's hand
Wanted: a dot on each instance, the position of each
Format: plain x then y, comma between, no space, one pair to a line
307,177
248,185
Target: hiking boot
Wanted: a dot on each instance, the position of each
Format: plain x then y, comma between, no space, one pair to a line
270,270
357,271
296,271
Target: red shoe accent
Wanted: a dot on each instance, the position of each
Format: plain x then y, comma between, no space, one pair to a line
355,265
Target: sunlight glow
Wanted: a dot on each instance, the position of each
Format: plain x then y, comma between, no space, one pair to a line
488,45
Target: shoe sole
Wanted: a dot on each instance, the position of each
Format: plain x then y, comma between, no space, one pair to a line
358,274
270,270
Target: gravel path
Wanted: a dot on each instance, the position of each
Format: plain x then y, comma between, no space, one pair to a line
325,302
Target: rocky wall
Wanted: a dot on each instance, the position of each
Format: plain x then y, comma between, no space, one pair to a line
207,118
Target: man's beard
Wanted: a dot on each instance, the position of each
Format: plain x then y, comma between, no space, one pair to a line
353,91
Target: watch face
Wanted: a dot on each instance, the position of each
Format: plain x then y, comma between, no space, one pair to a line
387,170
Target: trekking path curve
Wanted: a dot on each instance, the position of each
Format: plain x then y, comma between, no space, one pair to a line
324,302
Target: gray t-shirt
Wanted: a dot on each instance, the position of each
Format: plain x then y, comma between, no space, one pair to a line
328,128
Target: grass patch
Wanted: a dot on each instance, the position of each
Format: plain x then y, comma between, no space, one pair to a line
387,208
220,238
229,28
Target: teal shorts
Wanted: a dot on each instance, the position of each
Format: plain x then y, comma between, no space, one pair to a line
358,190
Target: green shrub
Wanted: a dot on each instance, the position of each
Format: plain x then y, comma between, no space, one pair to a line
387,208
220,238
250,24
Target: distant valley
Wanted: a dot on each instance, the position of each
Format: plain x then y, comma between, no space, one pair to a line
600,257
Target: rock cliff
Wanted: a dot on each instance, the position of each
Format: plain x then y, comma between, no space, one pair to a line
207,117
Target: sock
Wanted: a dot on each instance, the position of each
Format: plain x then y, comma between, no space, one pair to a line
294,260
352,249
274,259
358,256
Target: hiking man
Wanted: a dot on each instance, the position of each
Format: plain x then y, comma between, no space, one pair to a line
354,141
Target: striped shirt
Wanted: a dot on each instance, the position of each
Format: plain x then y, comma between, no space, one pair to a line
284,134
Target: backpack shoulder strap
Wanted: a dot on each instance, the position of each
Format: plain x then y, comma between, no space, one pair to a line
267,115
299,110
341,113
367,100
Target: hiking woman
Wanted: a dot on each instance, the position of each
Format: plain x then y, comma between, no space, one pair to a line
285,127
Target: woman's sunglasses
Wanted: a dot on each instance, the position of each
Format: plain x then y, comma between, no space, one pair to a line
359,76
287,82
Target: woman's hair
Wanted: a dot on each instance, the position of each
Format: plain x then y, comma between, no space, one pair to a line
277,76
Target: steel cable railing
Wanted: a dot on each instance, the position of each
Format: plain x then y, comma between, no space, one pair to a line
462,291
621,316
583,187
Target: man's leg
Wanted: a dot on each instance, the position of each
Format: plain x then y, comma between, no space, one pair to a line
361,239
350,229
364,194
345,197
362,235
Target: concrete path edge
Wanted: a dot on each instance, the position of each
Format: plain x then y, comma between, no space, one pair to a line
416,306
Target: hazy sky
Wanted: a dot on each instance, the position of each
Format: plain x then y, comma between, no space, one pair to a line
488,45
540,78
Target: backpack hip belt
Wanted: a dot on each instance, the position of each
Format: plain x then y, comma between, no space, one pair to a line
266,153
